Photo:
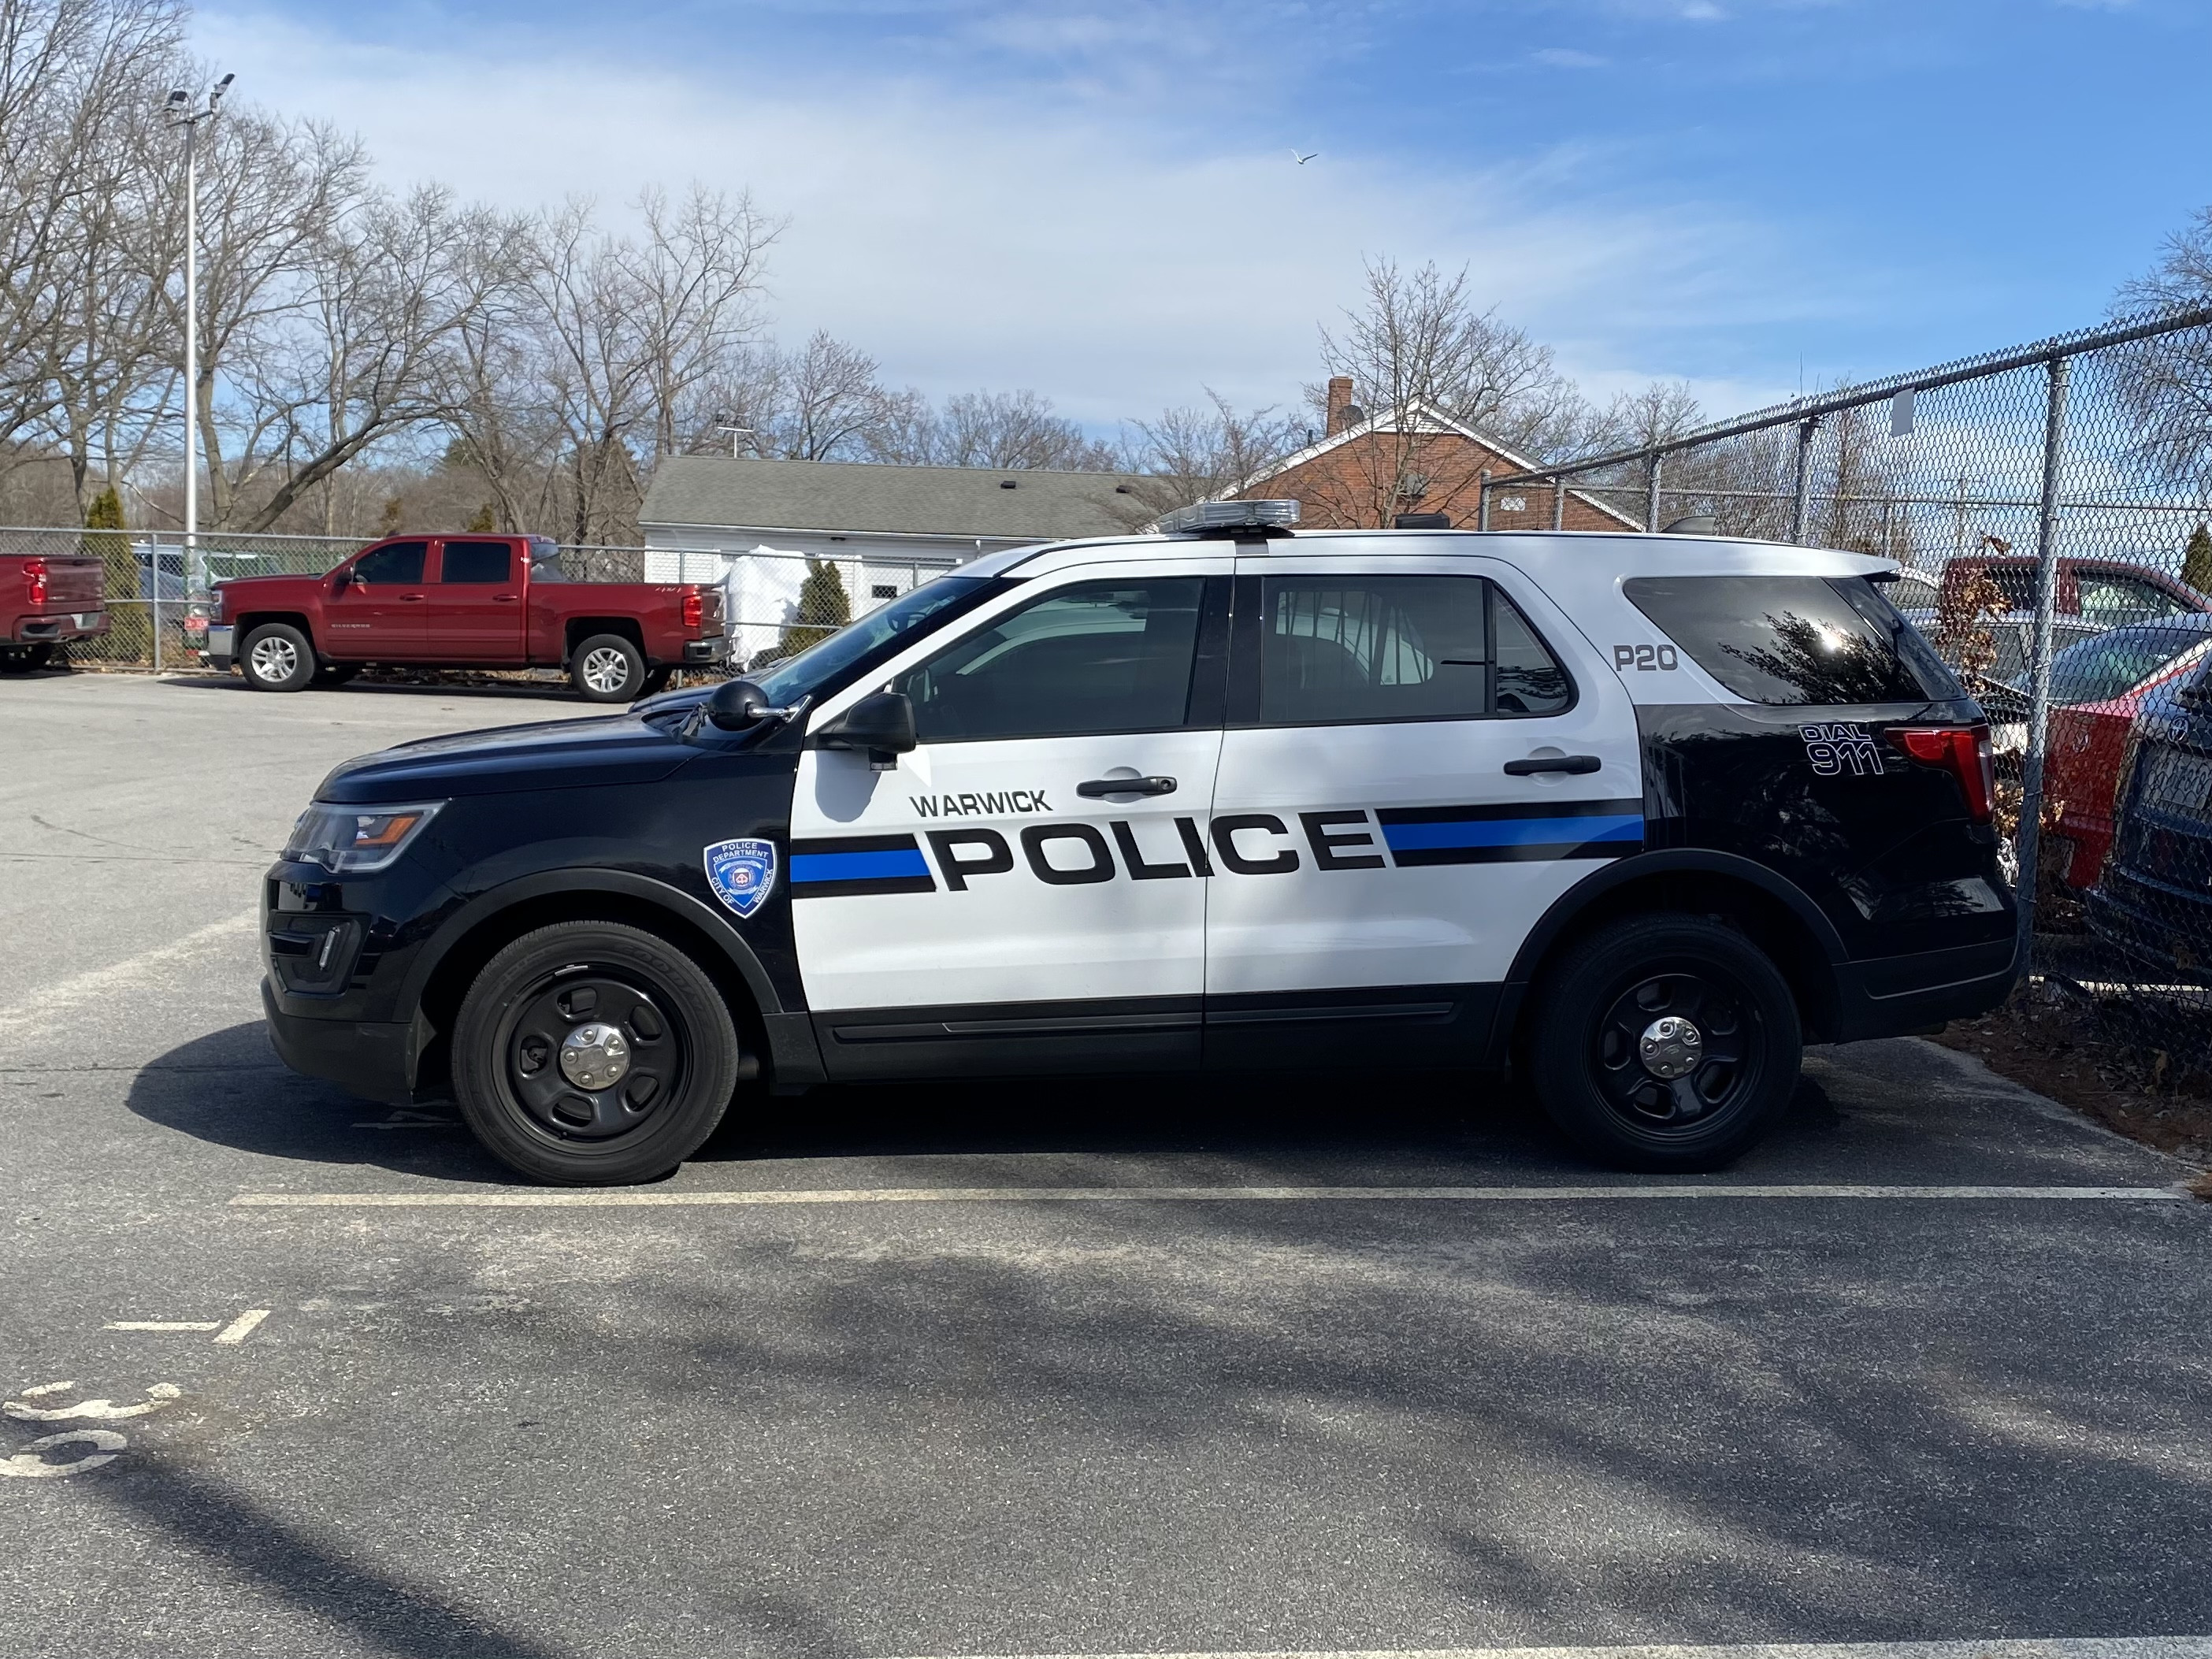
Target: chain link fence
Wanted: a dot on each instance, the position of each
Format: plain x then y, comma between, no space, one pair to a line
2050,507
158,585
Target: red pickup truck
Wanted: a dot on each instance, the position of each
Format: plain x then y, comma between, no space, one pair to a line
45,600
463,602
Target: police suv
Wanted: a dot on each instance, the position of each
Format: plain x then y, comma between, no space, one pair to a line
1635,816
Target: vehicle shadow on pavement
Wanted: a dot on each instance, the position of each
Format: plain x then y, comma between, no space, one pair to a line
558,696
229,1088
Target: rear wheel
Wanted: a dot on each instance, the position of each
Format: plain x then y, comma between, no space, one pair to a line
23,659
277,657
594,1054
1665,1042
607,668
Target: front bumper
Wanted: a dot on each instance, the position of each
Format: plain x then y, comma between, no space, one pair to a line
217,650
57,626
374,1060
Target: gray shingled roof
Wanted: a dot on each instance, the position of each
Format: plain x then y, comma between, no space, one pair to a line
849,495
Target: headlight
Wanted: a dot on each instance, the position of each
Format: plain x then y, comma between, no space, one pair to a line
352,840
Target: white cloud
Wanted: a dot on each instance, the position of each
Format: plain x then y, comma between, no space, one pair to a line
1567,57
1088,250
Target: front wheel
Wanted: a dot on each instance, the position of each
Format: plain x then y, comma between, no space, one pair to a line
590,1053
607,668
277,657
1665,1042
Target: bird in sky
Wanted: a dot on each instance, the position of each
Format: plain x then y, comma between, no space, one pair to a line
1302,159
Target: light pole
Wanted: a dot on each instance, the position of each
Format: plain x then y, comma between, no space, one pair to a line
181,114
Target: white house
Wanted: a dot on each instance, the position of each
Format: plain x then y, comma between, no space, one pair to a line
753,525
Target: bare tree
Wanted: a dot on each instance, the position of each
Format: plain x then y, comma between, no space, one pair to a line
1013,431
1192,454
824,402
2166,383
1421,352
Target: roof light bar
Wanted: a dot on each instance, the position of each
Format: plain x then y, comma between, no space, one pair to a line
1231,515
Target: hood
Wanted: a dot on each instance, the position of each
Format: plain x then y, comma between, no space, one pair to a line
558,755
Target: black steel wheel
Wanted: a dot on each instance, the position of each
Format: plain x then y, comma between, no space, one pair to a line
594,1054
1665,1042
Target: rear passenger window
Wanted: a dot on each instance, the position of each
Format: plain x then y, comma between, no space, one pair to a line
1792,640
1351,648
477,561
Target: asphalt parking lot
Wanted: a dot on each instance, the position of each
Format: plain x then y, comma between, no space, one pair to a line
1293,1368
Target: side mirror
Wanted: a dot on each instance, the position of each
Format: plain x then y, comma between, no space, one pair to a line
881,723
342,581
737,705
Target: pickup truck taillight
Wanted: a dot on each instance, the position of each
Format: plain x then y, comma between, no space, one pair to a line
1962,750
694,608
34,582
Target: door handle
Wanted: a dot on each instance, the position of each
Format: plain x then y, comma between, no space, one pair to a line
1099,788
505,598
413,599
1536,764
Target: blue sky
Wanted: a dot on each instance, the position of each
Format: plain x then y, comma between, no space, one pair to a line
1097,200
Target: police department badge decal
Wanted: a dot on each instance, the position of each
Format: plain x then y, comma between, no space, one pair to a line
742,873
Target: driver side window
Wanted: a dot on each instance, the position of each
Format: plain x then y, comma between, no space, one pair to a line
399,564
1098,657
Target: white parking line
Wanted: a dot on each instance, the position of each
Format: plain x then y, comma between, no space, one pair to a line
162,1325
2065,1647
630,1198
243,1327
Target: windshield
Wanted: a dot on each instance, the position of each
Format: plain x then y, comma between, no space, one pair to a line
2107,665
859,644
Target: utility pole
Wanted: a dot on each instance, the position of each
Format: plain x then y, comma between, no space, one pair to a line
181,114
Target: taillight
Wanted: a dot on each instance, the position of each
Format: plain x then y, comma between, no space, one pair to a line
694,610
1964,751
34,581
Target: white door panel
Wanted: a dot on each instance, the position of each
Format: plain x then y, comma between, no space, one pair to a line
990,928
1420,860
973,874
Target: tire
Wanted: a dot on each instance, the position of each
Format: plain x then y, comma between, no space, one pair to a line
336,673
537,1110
1611,991
607,668
277,657
25,659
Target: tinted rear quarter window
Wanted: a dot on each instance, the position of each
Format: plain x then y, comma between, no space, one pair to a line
1795,640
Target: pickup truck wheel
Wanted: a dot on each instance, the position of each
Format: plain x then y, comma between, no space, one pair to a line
607,668
277,657
592,1053
336,673
1665,1042
23,659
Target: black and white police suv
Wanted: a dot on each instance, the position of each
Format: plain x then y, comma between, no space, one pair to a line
1634,816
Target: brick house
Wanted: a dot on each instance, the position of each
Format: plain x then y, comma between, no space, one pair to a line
1367,469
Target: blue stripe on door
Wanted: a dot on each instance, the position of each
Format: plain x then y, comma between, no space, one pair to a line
1511,832
885,865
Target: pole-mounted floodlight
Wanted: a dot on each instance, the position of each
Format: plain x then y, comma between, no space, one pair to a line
182,115
178,97
220,88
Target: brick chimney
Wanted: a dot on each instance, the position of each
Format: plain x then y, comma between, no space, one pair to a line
1340,410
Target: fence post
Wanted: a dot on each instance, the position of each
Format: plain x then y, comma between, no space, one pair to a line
1800,505
2030,835
154,596
1482,499
1651,498
1559,502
